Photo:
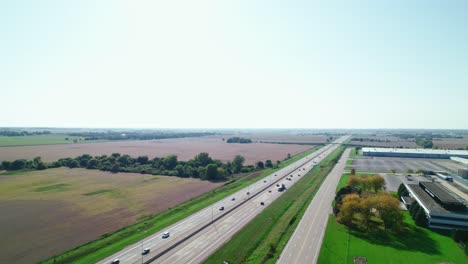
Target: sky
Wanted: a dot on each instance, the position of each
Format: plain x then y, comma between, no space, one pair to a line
234,64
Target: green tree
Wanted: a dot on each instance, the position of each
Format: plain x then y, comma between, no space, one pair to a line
211,172
238,163
170,162
92,164
6,165
203,159
260,165
180,170
268,164
18,164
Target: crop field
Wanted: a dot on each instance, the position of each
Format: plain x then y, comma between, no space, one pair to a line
49,139
285,137
451,143
44,213
184,148
401,165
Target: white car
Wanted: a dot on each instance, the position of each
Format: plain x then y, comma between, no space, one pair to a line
165,235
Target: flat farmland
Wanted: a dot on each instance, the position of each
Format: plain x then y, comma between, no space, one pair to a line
47,212
184,148
291,137
451,143
382,141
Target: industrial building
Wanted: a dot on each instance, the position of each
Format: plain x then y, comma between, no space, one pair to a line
415,153
443,209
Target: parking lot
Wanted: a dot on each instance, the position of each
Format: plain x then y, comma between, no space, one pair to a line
401,165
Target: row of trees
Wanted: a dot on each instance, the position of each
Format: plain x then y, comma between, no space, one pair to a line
10,133
201,166
238,140
367,183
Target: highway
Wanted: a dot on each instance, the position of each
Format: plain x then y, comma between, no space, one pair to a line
304,245
199,235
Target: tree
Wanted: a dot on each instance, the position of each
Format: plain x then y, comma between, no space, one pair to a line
115,168
238,163
365,183
142,160
353,171
277,163
211,172
73,164
260,165
353,181
170,162
92,164
6,165
180,170
289,155
18,164
268,164
203,159
377,182
41,165
410,171
349,206
388,208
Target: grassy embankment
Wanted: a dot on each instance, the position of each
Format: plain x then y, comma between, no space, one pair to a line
415,245
263,239
108,244
49,139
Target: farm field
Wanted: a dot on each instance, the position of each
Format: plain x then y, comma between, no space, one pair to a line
50,139
285,137
184,148
451,143
416,244
47,212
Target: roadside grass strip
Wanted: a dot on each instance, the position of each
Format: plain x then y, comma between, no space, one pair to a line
263,239
414,245
111,243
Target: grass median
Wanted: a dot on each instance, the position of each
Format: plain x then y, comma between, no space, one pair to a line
111,243
263,239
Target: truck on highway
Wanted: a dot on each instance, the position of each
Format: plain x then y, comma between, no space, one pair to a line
282,188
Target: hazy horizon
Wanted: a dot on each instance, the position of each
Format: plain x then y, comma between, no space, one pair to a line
234,65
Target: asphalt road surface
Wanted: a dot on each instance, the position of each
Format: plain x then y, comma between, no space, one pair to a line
196,237
304,245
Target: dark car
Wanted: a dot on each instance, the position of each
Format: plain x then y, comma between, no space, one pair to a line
115,261
277,185
233,199
248,193
269,191
264,181
221,208
262,203
145,251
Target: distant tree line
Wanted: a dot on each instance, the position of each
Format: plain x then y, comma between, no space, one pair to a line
238,140
201,166
128,135
9,133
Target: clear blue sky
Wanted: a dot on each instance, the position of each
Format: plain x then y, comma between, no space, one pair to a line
217,64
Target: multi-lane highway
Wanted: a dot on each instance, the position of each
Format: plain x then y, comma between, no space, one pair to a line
304,245
194,238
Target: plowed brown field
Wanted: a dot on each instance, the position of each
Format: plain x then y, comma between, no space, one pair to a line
185,149
43,213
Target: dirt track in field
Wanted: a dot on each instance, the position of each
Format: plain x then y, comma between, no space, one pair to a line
37,221
185,149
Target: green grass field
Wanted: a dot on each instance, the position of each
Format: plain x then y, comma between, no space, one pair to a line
49,139
416,245
110,243
263,239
